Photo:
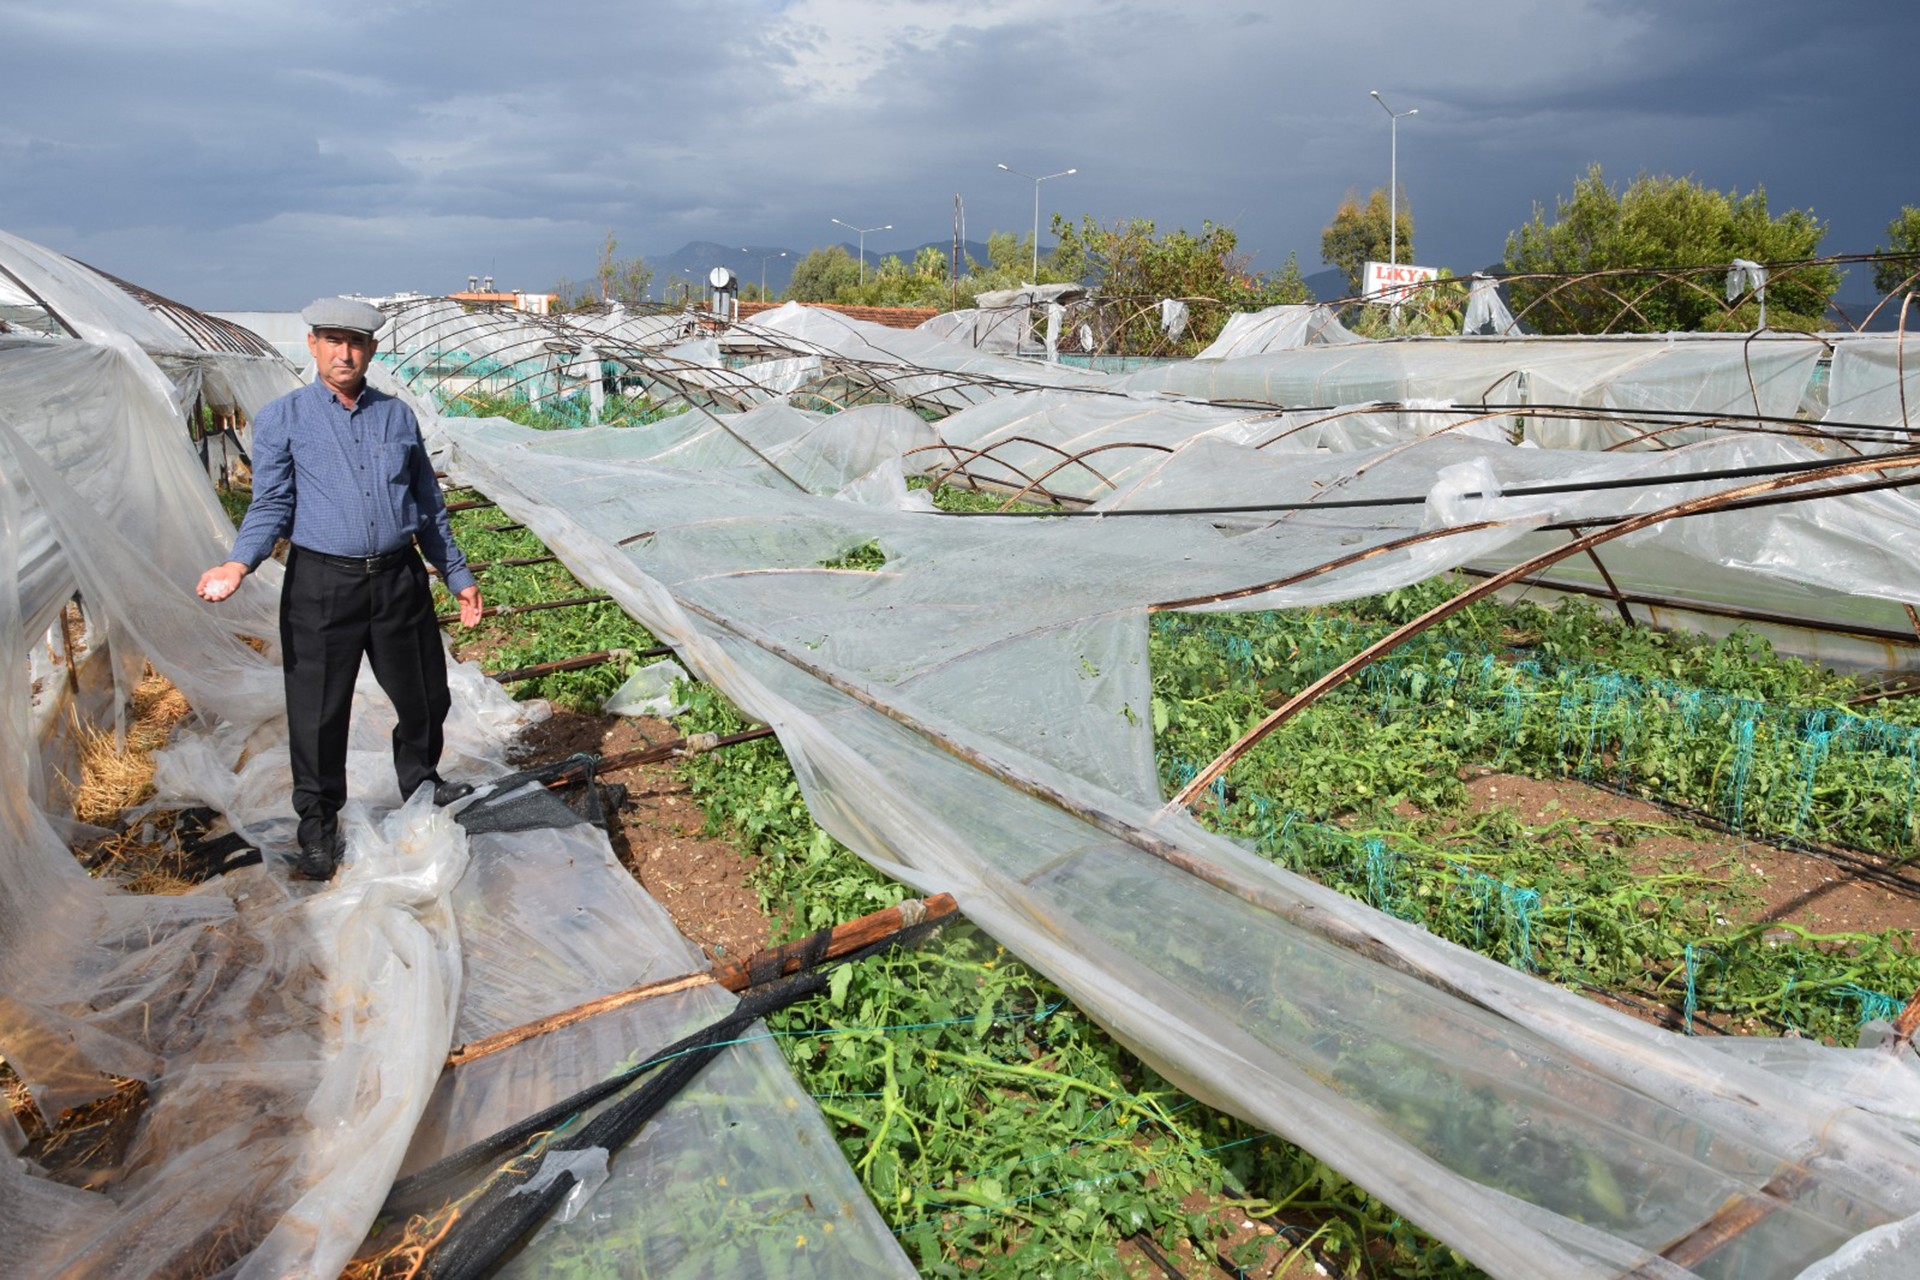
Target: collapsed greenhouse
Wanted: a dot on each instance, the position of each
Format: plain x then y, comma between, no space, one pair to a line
973,716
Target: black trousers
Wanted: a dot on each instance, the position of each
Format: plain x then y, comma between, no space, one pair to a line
330,617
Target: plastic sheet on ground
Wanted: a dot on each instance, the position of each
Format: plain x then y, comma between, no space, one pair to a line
1673,374
292,1036
1249,333
972,717
739,1176
906,362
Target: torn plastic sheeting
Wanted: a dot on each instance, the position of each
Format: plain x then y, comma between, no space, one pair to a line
97,421
1279,328
98,311
924,356
550,920
1357,1060
1486,312
647,692
294,1037
291,1037
1876,379
1668,372
588,1169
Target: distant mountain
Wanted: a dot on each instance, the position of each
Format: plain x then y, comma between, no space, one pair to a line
693,260
1327,285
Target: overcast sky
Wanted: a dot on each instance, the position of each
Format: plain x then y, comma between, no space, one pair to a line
255,153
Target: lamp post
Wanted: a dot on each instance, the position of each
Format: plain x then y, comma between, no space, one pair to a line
1393,175
862,232
763,269
1036,208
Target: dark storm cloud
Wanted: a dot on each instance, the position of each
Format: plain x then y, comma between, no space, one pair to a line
253,154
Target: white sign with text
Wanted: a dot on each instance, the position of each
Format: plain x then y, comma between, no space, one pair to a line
1391,282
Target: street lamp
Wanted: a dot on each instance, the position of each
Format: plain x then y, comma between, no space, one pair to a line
763,269
1393,175
862,231
1036,208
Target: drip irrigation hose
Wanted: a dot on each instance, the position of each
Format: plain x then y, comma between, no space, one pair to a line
1144,1242
581,663
495,1220
509,610
698,744
514,562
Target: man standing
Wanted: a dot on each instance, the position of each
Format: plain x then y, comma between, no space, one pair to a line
339,468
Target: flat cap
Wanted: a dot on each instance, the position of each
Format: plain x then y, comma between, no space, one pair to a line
343,313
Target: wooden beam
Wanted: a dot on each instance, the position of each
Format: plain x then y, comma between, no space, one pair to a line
737,975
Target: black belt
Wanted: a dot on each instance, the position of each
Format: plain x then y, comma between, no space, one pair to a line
366,565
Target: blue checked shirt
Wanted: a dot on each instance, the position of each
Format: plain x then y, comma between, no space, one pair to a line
345,482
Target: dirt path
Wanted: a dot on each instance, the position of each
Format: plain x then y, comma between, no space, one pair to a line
1794,887
705,884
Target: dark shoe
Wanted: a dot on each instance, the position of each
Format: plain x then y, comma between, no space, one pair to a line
448,793
318,860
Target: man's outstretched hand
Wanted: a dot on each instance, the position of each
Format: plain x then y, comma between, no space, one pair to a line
221,581
469,606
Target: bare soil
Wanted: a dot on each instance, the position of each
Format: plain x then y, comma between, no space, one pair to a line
1794,886
704,883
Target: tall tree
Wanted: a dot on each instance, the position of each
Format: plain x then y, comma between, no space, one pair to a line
823,275
1904,236
1134,266
1363,233
621,279
1689,232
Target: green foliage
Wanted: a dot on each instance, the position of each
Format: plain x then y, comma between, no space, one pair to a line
930,264
1364,792
1134,267
528,639
615,279
953,498
1663,222
866,557
1434,308
998,1130
823,275
1010,254
832,275
1360,234
559,413
1903,238
621,279
234,500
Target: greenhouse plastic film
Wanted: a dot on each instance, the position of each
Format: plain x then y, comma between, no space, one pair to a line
1535,1131
730,1174
291,1035
103,314
290,1038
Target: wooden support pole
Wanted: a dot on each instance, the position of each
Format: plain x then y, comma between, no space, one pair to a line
1738,1215
738,975
1904,1026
